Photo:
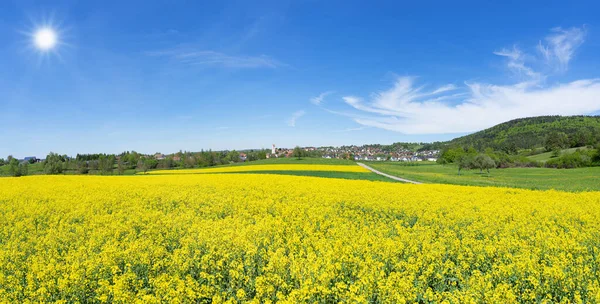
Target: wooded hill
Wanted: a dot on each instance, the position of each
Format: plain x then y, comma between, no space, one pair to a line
534,132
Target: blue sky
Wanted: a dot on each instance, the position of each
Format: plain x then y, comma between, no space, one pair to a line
190,75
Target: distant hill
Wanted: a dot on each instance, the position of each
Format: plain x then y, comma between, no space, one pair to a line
531,132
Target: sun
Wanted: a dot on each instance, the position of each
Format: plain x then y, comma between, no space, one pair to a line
45,39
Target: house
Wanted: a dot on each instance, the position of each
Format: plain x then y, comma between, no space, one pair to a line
31,159
176,158
243,157
432,159
159,156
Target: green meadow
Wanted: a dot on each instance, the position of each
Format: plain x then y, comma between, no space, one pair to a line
581,179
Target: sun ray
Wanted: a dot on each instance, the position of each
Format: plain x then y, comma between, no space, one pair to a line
46,38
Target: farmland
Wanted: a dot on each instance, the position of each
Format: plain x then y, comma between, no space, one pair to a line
280,238
310,167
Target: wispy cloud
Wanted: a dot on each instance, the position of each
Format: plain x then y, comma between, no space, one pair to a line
319,99
193,57
516,63
561,46
295,116
412,109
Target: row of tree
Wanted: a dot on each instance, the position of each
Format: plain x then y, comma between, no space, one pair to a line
108,163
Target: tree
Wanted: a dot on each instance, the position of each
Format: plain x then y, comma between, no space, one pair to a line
582,138
121,166
15,168
166,163
596,156
233,156
82,167
465,162
2,161
189,161
106,164
141,165
297,153
484,162
451,155
145,164
53,164
23,169
556,152
556,140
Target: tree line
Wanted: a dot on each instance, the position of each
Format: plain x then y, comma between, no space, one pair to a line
129,162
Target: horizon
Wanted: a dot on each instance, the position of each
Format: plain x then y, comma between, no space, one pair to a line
87,78
283,147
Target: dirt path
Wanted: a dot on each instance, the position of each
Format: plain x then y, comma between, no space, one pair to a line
387,175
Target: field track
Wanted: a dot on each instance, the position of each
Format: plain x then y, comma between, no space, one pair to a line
387,175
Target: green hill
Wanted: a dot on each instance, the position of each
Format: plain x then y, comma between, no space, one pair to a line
532,132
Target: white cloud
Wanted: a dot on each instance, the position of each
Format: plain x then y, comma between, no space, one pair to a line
319,99
516,63
562,45
188,56
295,116
412,109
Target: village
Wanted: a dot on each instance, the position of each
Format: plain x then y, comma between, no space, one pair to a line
361,153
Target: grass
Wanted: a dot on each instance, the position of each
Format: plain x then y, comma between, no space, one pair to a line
326,174
302,161
544,157
581,179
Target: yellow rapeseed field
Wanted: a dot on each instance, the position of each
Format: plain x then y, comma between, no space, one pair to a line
269,238
257,168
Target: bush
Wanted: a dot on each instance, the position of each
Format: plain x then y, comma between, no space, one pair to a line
17,169
82,167
576,159
53,164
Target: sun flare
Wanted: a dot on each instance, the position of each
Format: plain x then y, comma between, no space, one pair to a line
45,38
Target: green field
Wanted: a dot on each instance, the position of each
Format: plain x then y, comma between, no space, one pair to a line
343,175
582,179
302,161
